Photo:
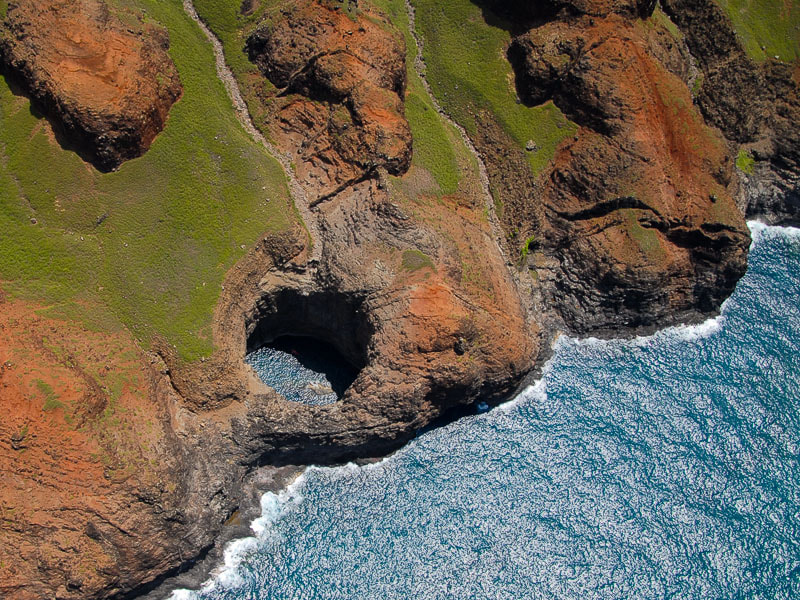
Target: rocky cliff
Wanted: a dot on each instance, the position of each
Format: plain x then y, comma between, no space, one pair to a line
422,287
639,208
342,83
755,105
101,74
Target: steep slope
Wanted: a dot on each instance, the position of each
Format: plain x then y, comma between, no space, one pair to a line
756,105
639,205
103,76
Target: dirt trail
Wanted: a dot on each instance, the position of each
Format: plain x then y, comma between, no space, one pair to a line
243,114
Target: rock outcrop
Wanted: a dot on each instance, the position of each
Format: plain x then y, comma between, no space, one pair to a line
640,219
756,106
107,85
342,84
91,502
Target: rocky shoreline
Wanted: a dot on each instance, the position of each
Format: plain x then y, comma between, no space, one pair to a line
439,299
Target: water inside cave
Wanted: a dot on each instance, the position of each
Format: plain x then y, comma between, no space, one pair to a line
303,369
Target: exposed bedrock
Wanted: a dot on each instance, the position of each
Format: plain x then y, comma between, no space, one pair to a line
756,106
342,84
107,85
421,342
640,225
532,12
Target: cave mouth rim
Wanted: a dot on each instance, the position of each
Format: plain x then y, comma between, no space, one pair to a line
332,326
314,354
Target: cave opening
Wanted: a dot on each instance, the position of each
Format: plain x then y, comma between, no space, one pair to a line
309,347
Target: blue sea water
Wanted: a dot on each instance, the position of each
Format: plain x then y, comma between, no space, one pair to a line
659,467
303,369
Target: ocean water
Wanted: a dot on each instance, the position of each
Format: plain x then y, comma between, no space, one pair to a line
303,369
659,467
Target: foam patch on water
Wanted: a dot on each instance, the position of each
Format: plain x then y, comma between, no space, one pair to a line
675,333
533,393
228,575
275,506
758,230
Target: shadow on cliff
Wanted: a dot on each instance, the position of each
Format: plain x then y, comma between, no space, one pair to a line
64,139
515,16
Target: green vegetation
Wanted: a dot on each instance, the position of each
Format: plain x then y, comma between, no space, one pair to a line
226,21
148,245
231,27
526,248
51,401
435,142
433,148
697,84
469,73
414,260
767,28
745,162
659,17
3,8
645,238
20,436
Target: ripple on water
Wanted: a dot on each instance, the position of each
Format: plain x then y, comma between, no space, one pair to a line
303,369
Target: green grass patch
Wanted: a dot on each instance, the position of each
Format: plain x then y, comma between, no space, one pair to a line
659,17
437,146
468,72
526,248
745,162
433,149
51,401
697,84
645,238
414,260
767,28
224,18
3,9
152,241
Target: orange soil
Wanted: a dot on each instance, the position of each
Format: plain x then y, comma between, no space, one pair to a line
71,400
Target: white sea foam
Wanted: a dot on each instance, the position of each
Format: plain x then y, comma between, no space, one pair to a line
228,575
758,229
536,391
183,595
274,506
681,333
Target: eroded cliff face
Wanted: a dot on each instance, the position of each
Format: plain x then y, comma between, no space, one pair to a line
101,74
90,496
633,224
639,213
341,83
756,106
